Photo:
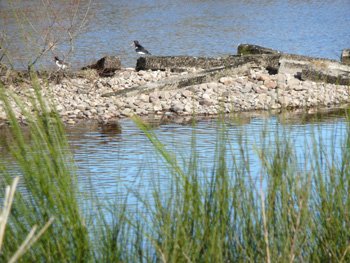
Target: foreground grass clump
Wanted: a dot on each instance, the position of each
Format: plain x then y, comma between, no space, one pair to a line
4,214
227,214
49,187
287,212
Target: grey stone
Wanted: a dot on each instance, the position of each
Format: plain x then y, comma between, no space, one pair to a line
71,122
101,110
127,112
212,85
188,108
241,80
248,49
225,94
270,84
338,77
157,106
119,103
307,85
81,107
59,108
206,100
345,56
166,95
263,77
309,67
130,101
106,66
261,89
179,62
175,63
165,105
203,86
226,80
154,96
281,79
293,67
144,98
112,108
187,93
293,82
177,106
285,101
206,96
275,105
113,82
247,88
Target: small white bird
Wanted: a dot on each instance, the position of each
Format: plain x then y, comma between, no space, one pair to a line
60,64
140,49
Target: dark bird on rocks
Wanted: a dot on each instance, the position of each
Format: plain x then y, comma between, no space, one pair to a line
60,63
140,49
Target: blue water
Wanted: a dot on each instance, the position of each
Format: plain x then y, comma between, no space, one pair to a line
115,165
177,27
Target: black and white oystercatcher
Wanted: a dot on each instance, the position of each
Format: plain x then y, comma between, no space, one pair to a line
140,49
60,64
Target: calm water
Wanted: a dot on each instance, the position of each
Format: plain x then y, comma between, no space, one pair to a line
176,27
118,162
124,160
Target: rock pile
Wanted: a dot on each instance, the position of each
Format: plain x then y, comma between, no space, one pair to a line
257,79
250,88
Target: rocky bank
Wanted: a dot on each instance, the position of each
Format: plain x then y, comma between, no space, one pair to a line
245,87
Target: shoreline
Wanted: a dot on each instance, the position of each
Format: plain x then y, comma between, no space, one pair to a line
243,88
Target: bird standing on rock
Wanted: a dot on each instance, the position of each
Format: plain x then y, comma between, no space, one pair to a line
60,64
140,49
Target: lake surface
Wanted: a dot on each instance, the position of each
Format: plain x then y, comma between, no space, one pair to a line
121,161
164,27
114,162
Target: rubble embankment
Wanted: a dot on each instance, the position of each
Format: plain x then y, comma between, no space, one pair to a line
251,82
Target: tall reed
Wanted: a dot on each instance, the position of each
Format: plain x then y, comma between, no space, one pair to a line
291,213
49,187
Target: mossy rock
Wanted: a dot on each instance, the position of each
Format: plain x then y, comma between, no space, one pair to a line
345,56
248,49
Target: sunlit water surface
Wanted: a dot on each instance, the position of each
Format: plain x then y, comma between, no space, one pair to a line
117,163
176,27
124,162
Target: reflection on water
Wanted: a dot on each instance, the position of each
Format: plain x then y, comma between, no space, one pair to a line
118,159
120,156
177,27
125,161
